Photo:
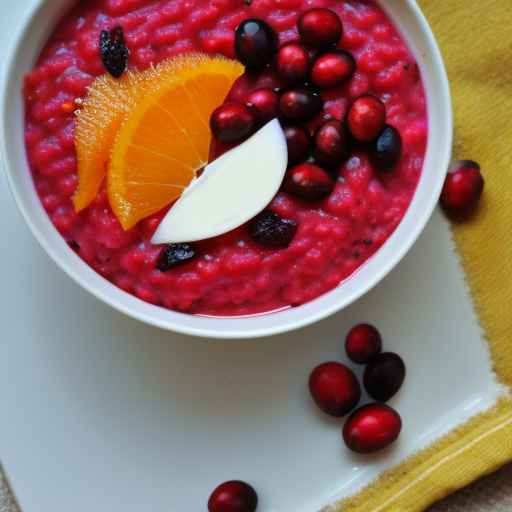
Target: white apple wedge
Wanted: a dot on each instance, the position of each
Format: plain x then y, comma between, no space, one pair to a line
232,189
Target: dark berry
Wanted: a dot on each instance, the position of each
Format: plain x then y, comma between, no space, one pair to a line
114,53
372,428
330,143
366,118
320,28
232,122
270,230
265,103
300,105
233,496
174,255
334,388
462,188
387,149
255,43
298,142
332,69
292,63
308,181
384,376
362,343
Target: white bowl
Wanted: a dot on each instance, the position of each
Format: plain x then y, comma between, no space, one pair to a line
414,28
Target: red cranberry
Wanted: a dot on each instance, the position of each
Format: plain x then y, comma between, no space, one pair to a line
334,388
384,376
292,63
366,118
298,143
255,43
320,28
231,122
265,102
462,188
387,149
332,69
362,343
234,496
371,428
330,143
308,181
300,105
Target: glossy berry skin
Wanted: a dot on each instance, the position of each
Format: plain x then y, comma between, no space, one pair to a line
264,103
292,63
384,376
255,43
371,428
387,149
462,188
320,28
334,388
233,496
300,105
270,230
362,343
232,122
299,144
332,69
330,143
366,118
308,181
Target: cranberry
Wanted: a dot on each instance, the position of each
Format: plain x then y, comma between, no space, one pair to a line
174,255
362,343
387,149
255,43
366,118
292,63
232,122
371,428
298,143
384,376
265,103
270,230
308,181
333,69
233,496
300,105
462,188
334,388
330,143
320,28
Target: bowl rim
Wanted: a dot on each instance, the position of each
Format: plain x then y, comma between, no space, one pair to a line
239,327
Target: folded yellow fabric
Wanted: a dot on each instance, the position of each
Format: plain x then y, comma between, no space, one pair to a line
476,41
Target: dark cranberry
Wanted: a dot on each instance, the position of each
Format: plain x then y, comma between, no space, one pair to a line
387,149
174,255
298,143
232,122
233,496
308,181
255,43
331,146
114,53
300,105
366,118
320,28
462,188
371,428
332,69
362,343
270,230
265,103
384,376
334,388
292,63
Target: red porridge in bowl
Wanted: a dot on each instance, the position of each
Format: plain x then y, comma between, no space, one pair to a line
353,113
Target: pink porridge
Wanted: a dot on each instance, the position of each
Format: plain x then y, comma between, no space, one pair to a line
231,274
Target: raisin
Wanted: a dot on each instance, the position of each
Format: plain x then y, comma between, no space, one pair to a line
174,255
114,52
270,230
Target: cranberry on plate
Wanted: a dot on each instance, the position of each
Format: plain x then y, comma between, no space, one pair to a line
292,63
255,43
308,181
265,103
233,496
320,28
362,343
384,376
332,69
330,143
232,122
298,142
366,118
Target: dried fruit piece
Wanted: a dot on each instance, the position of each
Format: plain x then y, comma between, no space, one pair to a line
174,255
270,230
114,52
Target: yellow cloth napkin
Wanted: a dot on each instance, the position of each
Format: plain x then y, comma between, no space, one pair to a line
475,37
